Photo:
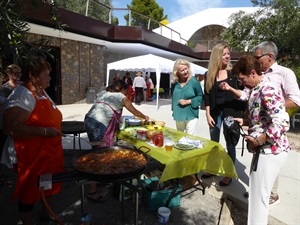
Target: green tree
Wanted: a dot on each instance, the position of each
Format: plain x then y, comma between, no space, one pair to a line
142,10
13,27
97,9
276,20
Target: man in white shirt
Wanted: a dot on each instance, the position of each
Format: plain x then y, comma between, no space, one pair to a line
139,84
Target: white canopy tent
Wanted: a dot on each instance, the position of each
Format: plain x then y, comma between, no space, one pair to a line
148,63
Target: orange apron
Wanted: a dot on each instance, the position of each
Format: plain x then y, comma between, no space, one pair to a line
39,155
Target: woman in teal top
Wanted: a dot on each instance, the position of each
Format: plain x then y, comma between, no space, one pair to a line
186,98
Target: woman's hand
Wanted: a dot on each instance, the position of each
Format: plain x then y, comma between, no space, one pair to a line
239,120
251,141
210,121
224,86
184,102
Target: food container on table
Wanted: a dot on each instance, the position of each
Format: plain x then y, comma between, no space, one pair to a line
160,123
158,140
134,122
141,134
151,133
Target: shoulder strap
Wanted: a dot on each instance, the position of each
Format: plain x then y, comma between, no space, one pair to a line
108,106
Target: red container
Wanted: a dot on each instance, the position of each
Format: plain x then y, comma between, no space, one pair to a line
141,134
158,140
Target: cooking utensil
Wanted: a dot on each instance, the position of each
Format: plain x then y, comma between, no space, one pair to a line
134,122
109,176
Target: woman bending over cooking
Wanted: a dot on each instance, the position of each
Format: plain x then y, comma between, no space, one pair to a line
103,118
34,122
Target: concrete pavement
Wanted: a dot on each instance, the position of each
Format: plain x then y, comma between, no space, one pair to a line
287,212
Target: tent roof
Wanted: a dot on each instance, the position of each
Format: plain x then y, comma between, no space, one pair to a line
149,63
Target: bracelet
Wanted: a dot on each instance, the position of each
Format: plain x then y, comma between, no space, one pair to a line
45,131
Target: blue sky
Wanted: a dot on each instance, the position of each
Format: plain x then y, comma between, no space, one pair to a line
177,9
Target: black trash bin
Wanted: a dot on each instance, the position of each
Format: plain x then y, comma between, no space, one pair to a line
91,95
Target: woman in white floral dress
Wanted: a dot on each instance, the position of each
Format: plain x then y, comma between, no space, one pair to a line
268,123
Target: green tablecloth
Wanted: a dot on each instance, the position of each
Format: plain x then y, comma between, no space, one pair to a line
212,158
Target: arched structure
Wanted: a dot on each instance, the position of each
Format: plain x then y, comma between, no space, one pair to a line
206,38
201,24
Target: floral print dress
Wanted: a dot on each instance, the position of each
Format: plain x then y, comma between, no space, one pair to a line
267,114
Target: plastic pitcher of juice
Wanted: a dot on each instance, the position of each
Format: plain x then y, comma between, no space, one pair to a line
158,140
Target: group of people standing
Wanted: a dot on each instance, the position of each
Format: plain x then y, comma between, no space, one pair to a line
139,89
255,92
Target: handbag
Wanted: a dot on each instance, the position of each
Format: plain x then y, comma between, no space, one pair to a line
108,137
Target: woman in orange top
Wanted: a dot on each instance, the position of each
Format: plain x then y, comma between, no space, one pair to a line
34,122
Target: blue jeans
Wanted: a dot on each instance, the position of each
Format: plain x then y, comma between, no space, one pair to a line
94,129
230,137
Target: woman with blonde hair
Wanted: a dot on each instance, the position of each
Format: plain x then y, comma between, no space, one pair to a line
219,103
186,98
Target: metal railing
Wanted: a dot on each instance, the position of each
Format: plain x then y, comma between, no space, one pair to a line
204,45
130,12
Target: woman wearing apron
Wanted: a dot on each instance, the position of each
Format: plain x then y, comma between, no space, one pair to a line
102,120
34,122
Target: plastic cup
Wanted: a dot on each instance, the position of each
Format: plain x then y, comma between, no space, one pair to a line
169,146
163,214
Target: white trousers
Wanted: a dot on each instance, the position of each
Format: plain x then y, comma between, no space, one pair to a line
260,183
188,126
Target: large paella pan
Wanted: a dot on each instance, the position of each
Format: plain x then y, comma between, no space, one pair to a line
110,163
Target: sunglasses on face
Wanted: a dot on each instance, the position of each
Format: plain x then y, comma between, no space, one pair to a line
259,56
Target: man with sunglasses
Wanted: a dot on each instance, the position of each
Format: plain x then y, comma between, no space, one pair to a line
266,53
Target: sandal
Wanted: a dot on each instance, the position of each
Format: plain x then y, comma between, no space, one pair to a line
223,184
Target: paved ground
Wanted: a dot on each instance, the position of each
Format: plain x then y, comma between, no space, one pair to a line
195,207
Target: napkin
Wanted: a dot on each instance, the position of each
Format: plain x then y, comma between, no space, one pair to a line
187,140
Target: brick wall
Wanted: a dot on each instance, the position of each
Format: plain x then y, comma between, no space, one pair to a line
81,66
